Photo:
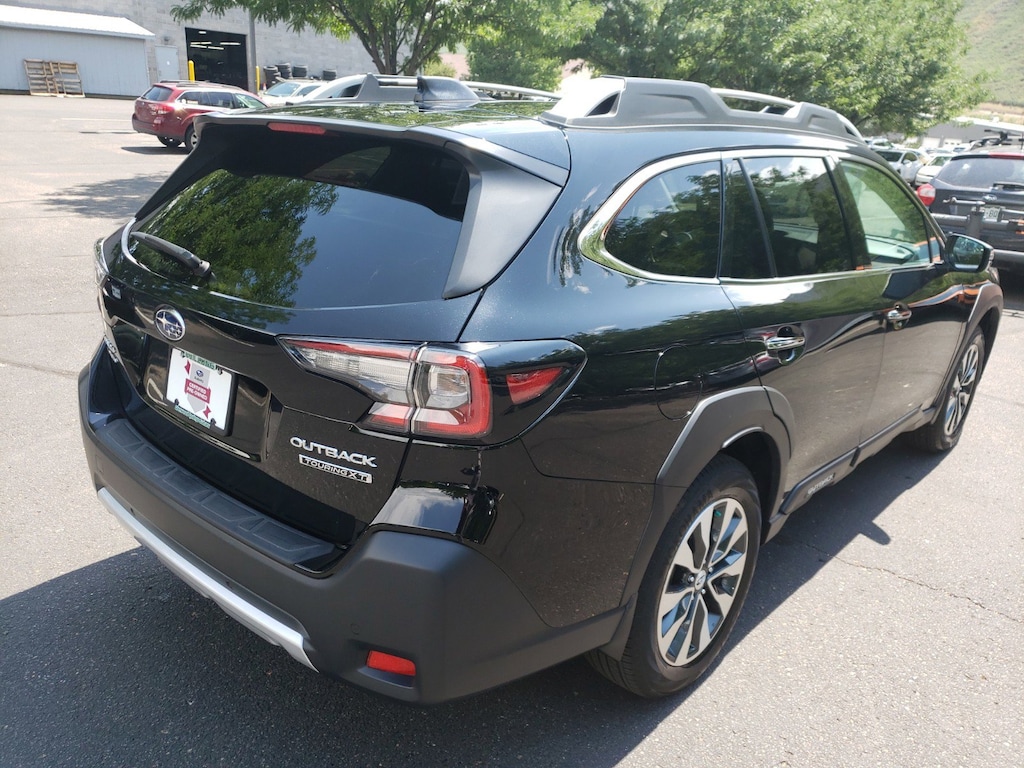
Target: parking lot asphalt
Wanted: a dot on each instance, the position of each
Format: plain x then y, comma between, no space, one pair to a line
885,626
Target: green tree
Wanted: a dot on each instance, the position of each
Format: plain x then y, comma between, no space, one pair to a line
400,36
405,36
892,65
528,42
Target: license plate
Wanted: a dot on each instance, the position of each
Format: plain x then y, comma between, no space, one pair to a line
200,390
990,212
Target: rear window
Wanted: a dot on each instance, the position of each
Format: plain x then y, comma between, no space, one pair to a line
982,172
157,93
308,222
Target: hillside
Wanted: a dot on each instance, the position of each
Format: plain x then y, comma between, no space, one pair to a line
994,31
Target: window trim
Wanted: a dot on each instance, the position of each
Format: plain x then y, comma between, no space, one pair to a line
591,238
591,241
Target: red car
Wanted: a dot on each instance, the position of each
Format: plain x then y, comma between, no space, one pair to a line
168,109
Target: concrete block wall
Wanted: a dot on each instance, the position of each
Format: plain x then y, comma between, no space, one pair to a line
274,44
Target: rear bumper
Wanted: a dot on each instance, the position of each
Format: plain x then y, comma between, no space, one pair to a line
162,130
427,598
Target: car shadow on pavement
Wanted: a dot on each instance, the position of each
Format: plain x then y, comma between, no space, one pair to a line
157,150
119,663
116,199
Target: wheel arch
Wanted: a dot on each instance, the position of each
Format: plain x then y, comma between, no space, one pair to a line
739,423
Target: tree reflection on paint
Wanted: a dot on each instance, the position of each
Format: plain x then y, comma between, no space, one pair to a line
249,229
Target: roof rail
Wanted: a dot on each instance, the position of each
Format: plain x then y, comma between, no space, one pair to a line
498,90
377,88
613,102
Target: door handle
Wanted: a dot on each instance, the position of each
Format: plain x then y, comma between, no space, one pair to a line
898,316
784,343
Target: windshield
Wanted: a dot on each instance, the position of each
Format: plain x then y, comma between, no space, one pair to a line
282,89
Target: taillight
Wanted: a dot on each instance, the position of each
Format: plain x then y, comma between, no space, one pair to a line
419,390
524,387
927,194
447,392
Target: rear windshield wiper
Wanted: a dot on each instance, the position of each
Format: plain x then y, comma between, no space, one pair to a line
183,256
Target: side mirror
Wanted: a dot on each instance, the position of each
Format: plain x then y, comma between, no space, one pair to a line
967,254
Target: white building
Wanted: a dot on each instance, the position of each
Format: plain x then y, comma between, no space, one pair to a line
121,46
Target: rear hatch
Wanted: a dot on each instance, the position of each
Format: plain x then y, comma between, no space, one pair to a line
982,195
280,237
152,103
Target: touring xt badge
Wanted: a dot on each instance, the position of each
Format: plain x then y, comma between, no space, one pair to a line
330,452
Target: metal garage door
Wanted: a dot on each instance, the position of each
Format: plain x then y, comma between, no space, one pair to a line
110,51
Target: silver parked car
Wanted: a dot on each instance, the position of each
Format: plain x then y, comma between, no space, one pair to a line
927,171
906,162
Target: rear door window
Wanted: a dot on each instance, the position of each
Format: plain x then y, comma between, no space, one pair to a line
310,222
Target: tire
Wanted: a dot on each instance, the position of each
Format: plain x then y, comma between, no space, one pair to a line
167,141
945,429
190,139
692,592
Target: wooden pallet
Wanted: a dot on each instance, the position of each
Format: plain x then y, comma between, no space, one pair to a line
53,78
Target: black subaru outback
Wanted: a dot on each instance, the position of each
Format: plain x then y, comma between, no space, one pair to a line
434,395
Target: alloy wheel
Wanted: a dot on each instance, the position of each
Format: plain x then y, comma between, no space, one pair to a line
962,391
702,581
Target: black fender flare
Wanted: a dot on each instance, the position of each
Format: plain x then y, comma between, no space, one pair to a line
716,423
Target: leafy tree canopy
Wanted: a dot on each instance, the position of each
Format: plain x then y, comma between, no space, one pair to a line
401,36
888,65
528,42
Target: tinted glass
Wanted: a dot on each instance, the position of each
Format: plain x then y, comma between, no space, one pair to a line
283,89
889,226
744,250
801,212
315,222
982,172
245,100
670,226
157,93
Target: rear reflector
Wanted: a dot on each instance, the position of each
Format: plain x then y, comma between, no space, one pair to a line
385,662
927,194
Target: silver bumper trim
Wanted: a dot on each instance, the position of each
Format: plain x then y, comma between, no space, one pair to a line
236,606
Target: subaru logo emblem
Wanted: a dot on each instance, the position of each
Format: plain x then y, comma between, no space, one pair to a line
170,323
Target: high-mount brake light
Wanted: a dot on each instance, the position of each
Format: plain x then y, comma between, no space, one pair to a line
927,194
419,390
316,130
